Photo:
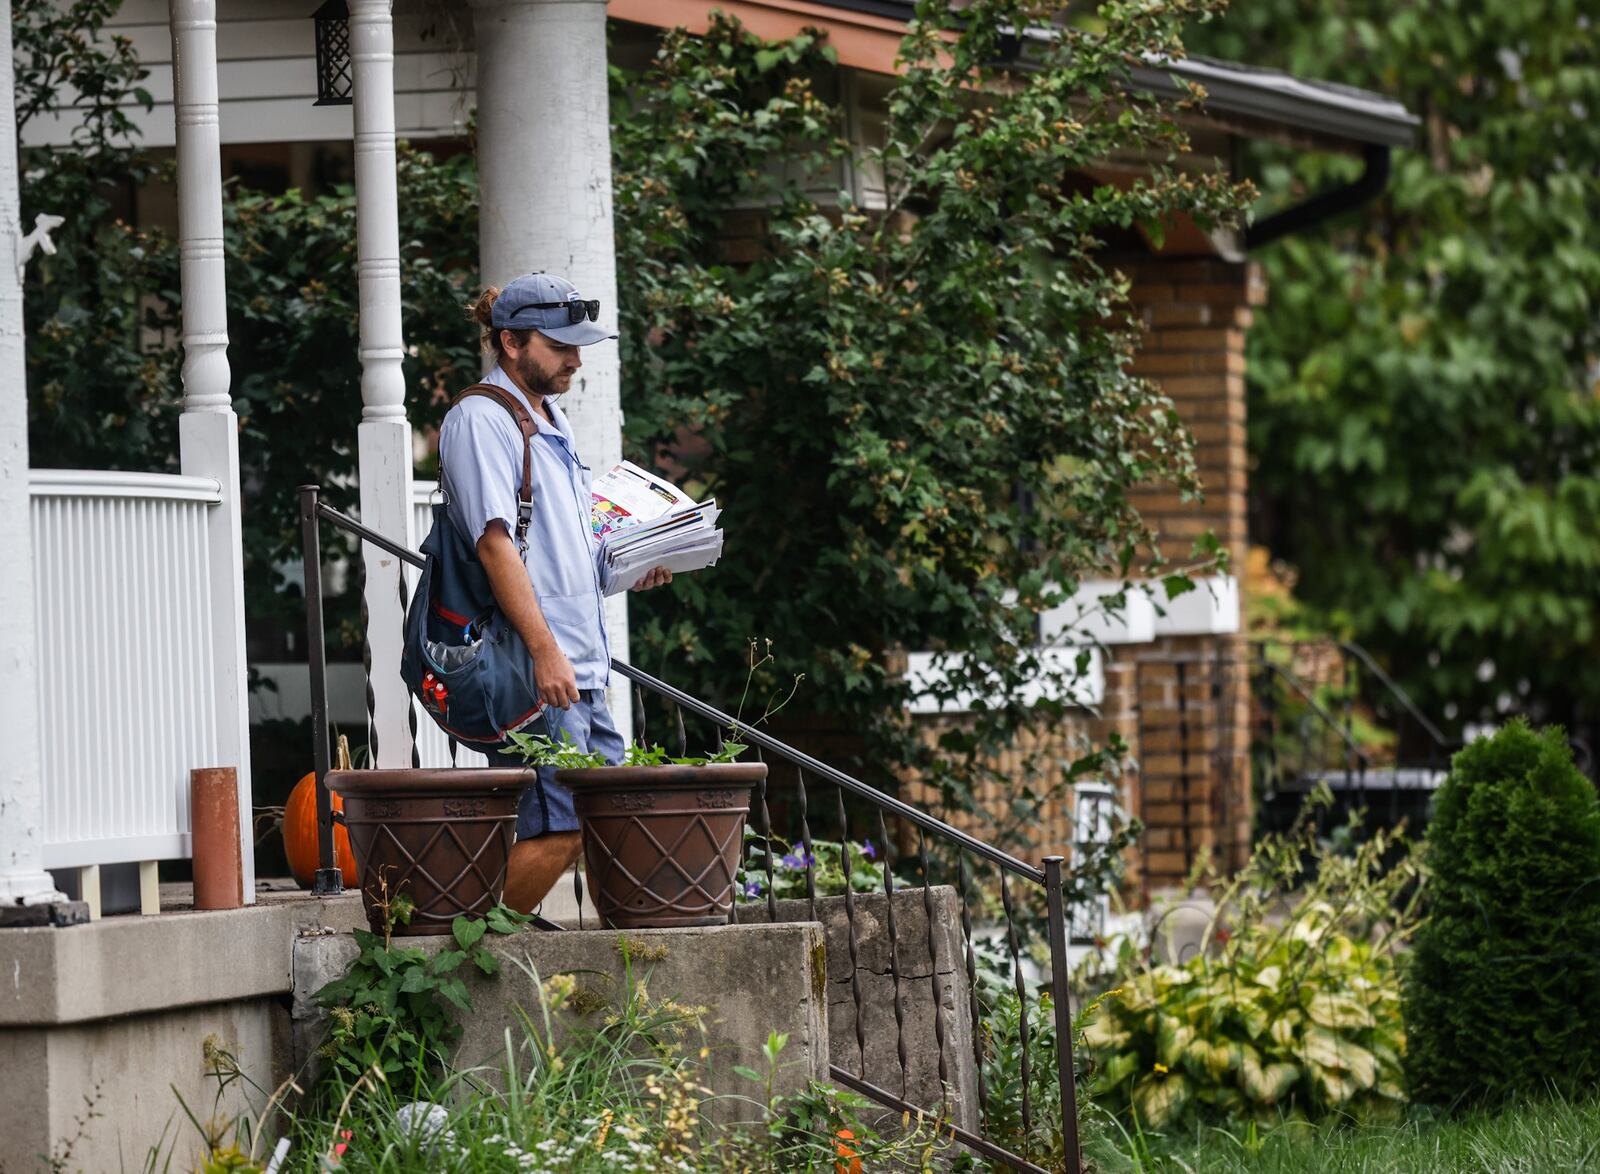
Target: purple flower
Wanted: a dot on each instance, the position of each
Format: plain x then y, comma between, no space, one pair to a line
869,851
752,888
798,861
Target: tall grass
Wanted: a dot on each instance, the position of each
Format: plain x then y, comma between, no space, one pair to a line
629,1095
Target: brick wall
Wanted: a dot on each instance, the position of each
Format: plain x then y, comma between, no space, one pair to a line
1030,835
1192,720
1192,741
1195,314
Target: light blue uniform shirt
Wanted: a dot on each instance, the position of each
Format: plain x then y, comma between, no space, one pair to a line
480,458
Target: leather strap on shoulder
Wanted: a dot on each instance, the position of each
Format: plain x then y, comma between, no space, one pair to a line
524,418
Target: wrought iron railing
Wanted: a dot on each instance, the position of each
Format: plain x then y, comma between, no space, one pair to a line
1327,713
1000,1079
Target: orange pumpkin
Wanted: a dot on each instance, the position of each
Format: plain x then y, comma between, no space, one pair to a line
300,841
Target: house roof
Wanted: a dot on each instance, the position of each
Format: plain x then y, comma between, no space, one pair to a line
1325,108
867,33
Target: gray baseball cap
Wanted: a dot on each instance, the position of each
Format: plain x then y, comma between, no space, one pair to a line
548,304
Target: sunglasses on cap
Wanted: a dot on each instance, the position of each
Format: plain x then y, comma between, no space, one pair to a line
577,309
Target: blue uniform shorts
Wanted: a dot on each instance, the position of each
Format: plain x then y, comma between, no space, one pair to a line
546,806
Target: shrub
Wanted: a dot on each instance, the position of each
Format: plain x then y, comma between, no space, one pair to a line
1292,1015
1502,995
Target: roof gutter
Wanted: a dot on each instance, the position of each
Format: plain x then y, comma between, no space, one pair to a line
1324,205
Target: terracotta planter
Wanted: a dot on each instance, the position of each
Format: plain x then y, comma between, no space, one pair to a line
661,844
441,836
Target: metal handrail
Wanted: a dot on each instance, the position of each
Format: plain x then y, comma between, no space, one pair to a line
1316,707
313,511
1400,694
850,783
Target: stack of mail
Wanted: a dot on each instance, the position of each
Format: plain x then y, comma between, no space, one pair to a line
643,521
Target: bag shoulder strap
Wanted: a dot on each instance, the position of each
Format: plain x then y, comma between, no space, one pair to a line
524,418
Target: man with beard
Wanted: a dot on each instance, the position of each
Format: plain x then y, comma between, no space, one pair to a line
552,589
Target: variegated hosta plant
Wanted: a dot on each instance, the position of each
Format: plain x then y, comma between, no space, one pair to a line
1290,1009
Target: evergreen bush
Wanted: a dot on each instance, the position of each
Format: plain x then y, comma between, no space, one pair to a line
1502,995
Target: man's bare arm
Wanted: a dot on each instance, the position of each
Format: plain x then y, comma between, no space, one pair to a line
508,579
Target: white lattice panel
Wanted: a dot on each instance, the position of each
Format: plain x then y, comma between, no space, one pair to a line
125,660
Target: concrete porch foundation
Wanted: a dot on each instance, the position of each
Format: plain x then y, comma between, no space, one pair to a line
750,979
100,1022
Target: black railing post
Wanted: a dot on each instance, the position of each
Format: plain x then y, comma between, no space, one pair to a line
328,880
1060,994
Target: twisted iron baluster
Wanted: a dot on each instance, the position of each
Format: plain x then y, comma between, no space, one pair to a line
933,961
1183,766
1269,719
766,831
683,735
894,955
638,715
451,742
411,702
1304,731
972,982
577,889
366,674
1221,762
1014,947
805,846
1140,812
850,918
1347,686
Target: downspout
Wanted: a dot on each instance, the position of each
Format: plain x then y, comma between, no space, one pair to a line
1344,198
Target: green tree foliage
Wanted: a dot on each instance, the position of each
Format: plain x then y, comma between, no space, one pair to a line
1502,995
907,413
100,372
1423,407
292,321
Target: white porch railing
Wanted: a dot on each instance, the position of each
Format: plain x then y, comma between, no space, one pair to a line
126,665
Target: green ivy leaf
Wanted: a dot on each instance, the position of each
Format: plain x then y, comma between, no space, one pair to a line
467,931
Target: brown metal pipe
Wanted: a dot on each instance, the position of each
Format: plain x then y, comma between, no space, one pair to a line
214,844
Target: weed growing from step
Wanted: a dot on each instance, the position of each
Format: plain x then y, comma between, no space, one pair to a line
392,1010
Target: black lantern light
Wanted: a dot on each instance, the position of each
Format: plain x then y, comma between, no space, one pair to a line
332,21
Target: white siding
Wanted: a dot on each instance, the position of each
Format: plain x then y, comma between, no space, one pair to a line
268,80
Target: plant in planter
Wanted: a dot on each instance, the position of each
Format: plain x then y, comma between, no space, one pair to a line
662,834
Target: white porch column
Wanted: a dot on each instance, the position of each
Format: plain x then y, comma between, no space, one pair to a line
544,166
384,436
208,430
23,879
